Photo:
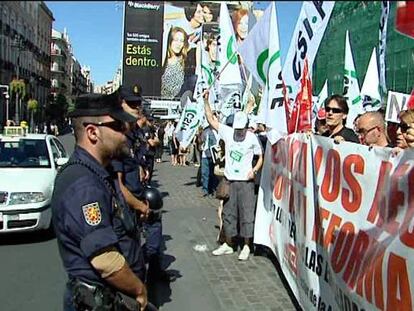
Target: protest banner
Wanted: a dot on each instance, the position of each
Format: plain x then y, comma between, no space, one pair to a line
339,219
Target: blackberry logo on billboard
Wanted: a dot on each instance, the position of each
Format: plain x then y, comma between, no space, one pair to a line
143,29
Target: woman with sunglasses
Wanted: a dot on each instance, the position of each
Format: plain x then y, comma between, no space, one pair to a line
336,109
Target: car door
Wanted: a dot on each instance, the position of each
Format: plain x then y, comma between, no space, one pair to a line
61,149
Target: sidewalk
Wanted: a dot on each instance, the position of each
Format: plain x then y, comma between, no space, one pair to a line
206,282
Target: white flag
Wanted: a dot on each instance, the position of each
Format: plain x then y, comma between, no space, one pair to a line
351,87
370,87
190,120
385,10
261,54
228,56
309,30
231,100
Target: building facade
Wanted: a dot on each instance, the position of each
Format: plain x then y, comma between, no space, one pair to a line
25,34
362,19
60,66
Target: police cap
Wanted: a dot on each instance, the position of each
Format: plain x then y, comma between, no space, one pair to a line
131,93
94,105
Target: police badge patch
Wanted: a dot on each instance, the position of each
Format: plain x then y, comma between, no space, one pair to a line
92,213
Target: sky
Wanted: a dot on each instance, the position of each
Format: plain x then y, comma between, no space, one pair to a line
95,31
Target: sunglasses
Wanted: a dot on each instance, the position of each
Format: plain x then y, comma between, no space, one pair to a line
134,104
117,126
403,127
334,110
364,132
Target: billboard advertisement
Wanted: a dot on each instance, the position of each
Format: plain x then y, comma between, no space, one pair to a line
164,41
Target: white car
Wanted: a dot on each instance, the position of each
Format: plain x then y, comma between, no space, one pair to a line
28,167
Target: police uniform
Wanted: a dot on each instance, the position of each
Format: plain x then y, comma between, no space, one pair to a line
144,157
90,215
129,166
149,133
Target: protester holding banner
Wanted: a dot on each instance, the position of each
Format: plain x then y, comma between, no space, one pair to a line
371,129
173,76
407,127
241,146
337,110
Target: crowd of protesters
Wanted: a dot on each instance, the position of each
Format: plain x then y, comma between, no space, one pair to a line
236,213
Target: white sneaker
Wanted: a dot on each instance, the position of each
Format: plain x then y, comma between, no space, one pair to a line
244,254
224,249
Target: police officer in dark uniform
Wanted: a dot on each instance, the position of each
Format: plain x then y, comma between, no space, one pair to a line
139,138
95,229
128,168
152,143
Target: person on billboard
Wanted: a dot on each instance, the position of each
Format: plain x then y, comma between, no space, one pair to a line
195,18
240,19
209,14
172,78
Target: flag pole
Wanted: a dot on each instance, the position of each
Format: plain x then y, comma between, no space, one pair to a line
218,75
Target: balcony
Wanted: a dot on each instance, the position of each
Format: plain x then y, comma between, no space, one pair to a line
56,52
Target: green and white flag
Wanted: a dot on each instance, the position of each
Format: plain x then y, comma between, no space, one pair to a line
351,87
191,118
260,52
371,85
227,50
320,99
307,36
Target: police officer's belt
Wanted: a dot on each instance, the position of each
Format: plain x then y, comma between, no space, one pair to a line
89,297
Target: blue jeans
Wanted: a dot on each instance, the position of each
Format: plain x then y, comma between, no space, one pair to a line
208,179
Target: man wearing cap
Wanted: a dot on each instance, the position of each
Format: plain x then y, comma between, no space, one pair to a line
241,145
132,186
95,229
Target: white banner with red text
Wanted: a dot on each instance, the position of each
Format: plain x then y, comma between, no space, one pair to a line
339,218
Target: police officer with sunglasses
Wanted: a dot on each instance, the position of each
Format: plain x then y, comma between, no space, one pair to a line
96,230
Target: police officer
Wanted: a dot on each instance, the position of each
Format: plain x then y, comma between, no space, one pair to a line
128,168
140,142
152,143
95,229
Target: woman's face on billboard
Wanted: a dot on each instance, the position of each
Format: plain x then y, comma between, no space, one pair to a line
243,27
177,42
198,14
212,50
208,15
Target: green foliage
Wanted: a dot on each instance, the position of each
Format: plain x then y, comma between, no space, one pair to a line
18,87
32,105
58,108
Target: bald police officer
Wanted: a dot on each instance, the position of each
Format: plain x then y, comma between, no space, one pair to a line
95,229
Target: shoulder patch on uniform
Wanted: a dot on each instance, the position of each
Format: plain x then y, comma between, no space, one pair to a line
92,213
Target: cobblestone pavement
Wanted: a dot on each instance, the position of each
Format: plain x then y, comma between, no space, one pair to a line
206,282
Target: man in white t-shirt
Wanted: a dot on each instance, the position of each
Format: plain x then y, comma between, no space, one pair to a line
240,147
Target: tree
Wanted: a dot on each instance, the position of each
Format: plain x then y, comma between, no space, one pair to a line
32,106
18,87
57,110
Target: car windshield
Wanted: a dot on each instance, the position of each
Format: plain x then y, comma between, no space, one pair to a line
31,153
